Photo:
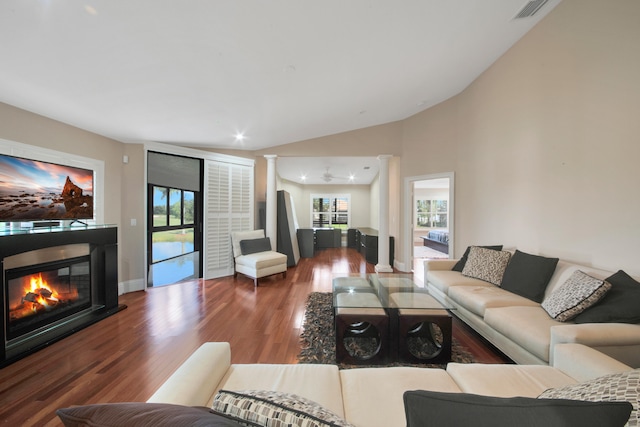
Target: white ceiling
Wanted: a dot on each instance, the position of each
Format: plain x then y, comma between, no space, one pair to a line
198,72
328,170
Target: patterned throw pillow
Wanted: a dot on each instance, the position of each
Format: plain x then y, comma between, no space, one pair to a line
272,408
463,259
624,386
578,293
486,264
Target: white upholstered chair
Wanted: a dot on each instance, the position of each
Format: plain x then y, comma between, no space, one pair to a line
254,257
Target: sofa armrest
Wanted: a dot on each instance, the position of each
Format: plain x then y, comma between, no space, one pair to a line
197,379
619,340
583,363
439,264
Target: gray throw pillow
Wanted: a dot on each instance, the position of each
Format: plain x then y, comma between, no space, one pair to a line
429,408
528,275
253,246
620,305
138,414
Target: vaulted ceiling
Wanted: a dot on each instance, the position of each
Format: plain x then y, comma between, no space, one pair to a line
246,74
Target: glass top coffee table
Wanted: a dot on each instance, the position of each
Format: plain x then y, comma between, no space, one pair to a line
387,317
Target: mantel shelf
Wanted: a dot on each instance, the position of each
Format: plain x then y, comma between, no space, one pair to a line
15,231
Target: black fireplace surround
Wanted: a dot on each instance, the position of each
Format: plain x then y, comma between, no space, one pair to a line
55,282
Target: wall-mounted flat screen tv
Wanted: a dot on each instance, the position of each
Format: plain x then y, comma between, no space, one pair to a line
33,190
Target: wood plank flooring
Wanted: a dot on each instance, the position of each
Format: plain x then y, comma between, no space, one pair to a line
127,356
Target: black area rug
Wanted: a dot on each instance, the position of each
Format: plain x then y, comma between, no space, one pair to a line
319,344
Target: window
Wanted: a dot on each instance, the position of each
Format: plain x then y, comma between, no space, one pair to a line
173,223
331,210
432,213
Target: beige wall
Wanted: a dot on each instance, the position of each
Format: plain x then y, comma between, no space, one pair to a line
545,143
134,204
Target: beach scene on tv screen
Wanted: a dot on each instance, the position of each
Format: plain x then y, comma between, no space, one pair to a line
32,190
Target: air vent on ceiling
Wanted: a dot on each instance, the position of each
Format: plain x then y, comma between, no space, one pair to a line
530,9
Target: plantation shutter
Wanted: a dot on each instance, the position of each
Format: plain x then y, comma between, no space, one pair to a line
228,207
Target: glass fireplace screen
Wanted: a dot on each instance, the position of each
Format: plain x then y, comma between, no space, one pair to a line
40,295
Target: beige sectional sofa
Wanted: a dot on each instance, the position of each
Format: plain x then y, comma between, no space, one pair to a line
373,397
520,327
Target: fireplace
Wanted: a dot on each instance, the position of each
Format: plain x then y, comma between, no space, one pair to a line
55,284
41,295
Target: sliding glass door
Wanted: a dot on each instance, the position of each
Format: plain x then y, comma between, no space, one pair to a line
174,242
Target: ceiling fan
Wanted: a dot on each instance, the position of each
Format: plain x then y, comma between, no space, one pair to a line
328,176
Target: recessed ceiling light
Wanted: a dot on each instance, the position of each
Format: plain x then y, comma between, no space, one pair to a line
240,137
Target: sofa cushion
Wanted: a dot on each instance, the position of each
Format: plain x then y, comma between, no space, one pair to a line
578,293
624,386
503,380
260,260
373,396
528,275
459,266
478,298
140,414
425,408
529,327
486,264
252,246
269,408
620,305
446,279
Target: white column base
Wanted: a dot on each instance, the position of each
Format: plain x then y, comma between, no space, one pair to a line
380,268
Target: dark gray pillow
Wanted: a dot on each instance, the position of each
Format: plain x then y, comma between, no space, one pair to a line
141,414
255,245
528,275
620,305
463,260
462,409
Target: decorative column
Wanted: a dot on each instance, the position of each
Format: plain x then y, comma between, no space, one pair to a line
383,228
271,214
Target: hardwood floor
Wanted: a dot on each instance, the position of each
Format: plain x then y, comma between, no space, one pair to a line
127,356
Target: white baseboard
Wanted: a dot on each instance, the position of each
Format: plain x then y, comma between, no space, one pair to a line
131,286
401,266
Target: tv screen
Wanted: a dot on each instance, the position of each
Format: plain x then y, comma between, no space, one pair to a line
33,190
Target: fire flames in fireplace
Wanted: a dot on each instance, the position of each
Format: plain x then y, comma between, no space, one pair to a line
40,297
